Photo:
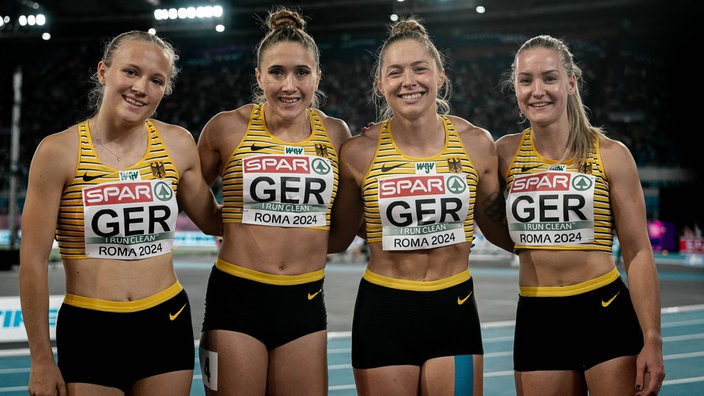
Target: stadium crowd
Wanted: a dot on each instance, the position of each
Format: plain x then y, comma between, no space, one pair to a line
625,93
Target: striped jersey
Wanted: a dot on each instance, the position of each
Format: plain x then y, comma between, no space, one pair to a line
415,203
556,206
119,213
270,182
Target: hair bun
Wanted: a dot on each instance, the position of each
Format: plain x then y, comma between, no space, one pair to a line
410,25
283,18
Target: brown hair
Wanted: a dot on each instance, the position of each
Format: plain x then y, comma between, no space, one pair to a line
286,25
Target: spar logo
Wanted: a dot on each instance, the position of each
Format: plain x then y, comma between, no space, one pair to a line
126,193
582,183
551,181
421,200
321,166
546,181
128,209
287,179
410,186
276,164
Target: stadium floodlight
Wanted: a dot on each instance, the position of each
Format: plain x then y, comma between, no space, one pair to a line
189,18
190,12
32,20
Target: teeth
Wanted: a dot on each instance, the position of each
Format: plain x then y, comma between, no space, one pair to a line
132,101
289,100
411,96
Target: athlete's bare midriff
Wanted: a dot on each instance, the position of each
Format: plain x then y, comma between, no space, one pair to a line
562,268
419,265
274,250
119,280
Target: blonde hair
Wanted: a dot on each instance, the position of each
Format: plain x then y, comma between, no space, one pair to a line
95,96
409,29
582,133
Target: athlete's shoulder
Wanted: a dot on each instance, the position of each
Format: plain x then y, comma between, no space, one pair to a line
361,145
58,152
238,116
167,128
173,134
60,142
337,128
228,123
615,154
464,127
607,143
332,122
358,151
507,144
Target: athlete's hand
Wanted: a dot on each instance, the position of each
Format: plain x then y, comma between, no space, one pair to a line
46,380
650,371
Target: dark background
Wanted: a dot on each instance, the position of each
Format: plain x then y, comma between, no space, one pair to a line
639,59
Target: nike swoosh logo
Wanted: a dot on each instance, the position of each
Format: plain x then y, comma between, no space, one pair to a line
385,168
254,147
87,178
312,296
174,316
606,303
461,301
527,168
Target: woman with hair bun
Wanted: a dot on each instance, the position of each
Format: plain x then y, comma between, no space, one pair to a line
265,324
417,180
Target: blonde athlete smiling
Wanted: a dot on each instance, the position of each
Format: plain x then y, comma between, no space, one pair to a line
579,329
110,189
418,179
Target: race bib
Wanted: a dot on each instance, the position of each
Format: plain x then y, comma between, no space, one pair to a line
286,190
551,208
129,219
423,211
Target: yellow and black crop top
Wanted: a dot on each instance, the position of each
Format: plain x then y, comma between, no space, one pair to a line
415,203
270,182
556,206
119,213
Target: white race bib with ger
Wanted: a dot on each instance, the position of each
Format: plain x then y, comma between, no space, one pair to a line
129,220
423,211
286,190
551,208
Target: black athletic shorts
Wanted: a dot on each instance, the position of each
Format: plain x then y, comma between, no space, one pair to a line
117,343
275,309
399,322
576,332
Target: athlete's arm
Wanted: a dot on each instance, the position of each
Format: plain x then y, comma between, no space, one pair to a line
50,170
489,205
194,195
208,150
347,210
628,207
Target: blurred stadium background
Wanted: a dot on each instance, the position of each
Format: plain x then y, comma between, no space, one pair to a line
637,55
